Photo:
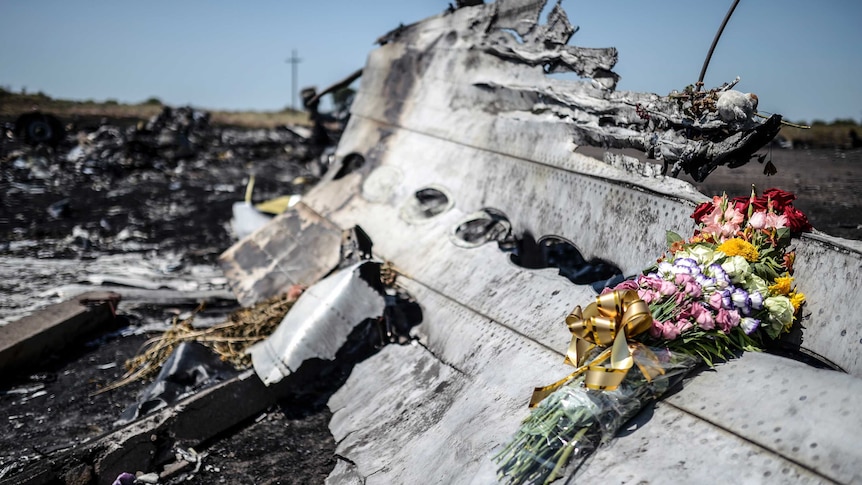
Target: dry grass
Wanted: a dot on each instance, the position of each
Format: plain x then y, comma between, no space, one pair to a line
13,104
822,135
229,340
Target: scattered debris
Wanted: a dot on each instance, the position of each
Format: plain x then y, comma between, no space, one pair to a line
37,128
228,340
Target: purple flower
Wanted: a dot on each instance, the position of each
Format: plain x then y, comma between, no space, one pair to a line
721,278
705,282
687,262
749,324
739,298
756,300
726,300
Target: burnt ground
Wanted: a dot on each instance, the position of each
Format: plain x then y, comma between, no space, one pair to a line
169,188
826,182
165,187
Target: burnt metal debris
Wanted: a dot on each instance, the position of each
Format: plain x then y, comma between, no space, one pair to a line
39,128
411,169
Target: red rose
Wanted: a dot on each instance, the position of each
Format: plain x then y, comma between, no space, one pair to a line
742,203
702,210
796,220
780,198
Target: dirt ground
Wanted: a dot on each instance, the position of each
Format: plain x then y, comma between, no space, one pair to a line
109,198
826,182
53,205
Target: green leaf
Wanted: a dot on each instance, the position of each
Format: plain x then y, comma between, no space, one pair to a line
672,237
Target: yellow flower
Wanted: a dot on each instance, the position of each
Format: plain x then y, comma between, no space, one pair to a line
782,285
796,299
739,247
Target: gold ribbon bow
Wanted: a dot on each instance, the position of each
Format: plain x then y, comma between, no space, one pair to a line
608,321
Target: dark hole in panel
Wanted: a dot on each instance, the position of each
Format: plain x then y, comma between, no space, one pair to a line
432,202
483,226
425,204
349,164
556,252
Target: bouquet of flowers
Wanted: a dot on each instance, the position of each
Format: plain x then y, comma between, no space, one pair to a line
726,289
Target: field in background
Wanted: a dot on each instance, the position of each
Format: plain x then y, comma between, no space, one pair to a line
14,104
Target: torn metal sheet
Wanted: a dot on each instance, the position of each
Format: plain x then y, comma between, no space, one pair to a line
320,321
298,247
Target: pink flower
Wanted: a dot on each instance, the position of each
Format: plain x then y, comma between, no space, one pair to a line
775,221
715,300
682,278
757,220
722,224
669,331
667,288
727,319
683,325
689,285
648,295
627,285
657,328
703,317
654,283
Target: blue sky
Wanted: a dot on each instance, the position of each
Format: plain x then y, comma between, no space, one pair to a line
802,58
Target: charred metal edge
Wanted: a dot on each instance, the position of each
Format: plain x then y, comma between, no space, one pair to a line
25,341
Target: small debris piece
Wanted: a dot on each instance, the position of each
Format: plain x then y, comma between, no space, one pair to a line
124,478
229,340
51,329
147,478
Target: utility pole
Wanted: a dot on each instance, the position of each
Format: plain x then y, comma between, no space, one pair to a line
293,60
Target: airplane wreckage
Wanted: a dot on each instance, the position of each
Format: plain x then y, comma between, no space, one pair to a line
459,148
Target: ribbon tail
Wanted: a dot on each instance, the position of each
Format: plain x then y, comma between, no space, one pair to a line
609,378
540,393
577,351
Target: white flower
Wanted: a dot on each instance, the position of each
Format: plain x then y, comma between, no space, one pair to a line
700,253
737,268
665,270
780,310
755,283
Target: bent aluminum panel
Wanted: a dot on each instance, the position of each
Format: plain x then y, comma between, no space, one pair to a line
318,324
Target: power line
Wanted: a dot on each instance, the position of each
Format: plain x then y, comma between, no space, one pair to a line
294,61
